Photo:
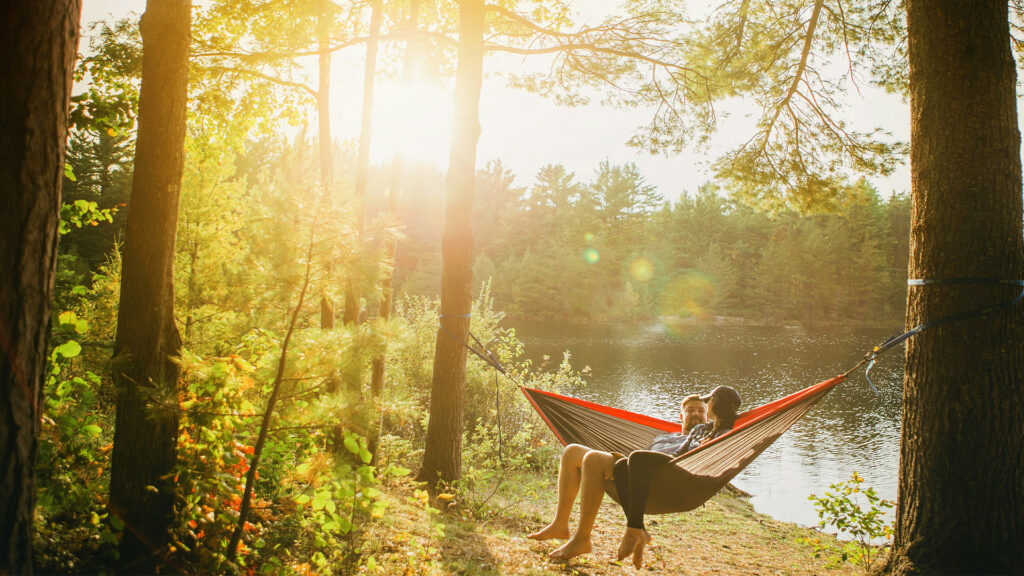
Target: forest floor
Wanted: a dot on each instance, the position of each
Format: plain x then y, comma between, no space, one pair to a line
724,537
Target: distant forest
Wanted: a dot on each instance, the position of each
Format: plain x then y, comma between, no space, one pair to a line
566,247
612,248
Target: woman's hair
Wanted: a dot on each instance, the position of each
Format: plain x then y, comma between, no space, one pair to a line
725,417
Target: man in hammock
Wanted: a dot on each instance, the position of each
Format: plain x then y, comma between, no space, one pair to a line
583,471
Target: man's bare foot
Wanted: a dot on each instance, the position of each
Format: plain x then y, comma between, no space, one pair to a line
550,532
633,542
570,550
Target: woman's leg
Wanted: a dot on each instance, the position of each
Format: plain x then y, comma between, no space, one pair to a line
640,469
597,467
642,465
621,474
569,478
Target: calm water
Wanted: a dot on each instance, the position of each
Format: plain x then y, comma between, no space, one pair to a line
649,368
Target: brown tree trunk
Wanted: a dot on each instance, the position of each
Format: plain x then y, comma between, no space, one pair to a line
442,458
384,314
390,251
961,486
147,341
323,116
38,44
352,292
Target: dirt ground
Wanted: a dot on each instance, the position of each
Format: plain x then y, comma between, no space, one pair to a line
724,537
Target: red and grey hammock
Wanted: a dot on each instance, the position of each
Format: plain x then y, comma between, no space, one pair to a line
689,480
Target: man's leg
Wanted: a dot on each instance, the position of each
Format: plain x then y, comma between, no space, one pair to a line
569,477
597,467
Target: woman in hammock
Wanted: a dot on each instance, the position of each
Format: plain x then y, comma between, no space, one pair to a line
633,474
596,466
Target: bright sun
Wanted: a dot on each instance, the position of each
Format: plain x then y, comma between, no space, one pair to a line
413,118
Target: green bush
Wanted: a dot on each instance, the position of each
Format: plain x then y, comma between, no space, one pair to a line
857,510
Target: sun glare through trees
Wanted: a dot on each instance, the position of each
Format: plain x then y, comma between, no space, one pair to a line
272,275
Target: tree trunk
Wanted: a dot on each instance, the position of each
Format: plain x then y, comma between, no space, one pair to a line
39,42
147,342
390,251
961,486
323,116
442,458
352,292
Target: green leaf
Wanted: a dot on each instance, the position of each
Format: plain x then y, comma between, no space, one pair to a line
398,471
79,290
351,444
365,455
67,317
69,349
92,429
69,172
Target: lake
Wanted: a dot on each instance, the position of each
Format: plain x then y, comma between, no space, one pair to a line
649,368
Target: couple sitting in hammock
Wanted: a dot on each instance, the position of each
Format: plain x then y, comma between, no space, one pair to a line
584,471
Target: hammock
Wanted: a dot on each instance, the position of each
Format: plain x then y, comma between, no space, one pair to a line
689,480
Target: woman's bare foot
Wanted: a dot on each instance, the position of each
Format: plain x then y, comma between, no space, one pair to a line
550,532
570,550
633,542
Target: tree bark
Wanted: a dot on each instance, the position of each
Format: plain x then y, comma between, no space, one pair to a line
961,486
390,253
323,116
352,292
442,458
38,43
147,341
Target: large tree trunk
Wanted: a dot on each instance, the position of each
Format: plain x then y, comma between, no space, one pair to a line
323,116
352,292
442,458
961,487
38,44
147,341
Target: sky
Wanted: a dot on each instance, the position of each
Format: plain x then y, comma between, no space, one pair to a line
526,131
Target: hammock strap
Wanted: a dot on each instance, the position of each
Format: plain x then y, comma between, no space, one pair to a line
483,353
977,312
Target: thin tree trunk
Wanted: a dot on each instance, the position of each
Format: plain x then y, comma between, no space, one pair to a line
39,42
352,295
442,458
390,251
323,115
147,342
961,487
268,412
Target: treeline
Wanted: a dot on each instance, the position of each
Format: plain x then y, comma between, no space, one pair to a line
613,248
609,249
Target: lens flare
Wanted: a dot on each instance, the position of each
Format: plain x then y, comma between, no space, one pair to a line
641,270
591,256
588,237
689,296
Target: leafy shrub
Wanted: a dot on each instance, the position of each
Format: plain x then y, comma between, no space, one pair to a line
857,510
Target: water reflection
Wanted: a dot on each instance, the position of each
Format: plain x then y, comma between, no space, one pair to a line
649,368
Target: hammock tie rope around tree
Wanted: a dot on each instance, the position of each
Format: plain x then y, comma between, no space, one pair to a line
690,479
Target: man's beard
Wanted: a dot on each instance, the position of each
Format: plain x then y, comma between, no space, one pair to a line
690,422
